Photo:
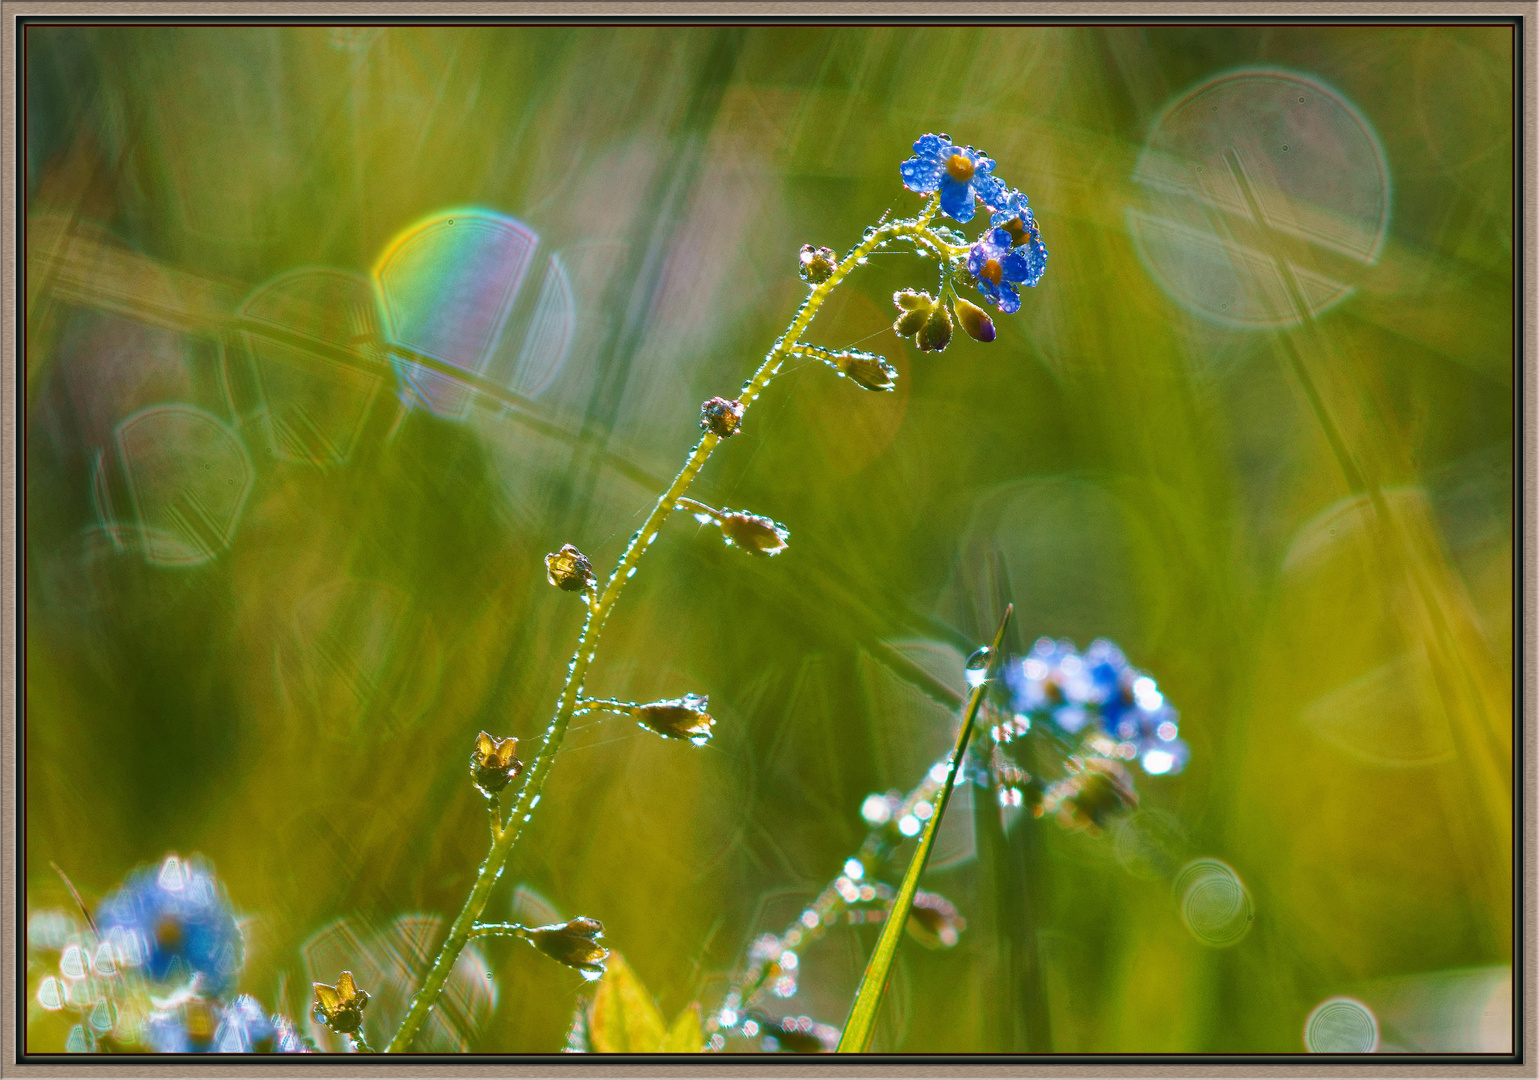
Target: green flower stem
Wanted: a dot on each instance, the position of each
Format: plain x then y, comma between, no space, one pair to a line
700,507
496,817
360,1043
491,868
505,929
590,705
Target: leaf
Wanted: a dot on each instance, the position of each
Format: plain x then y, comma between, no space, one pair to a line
873,984
686,1036
625,1018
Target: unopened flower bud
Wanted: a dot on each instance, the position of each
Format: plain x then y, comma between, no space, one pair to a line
1096,790
915,308
677,718
753,533
934,921
975,321
569,569
935,334
817,264
721,417
492,764
575,944
340,1007
866,369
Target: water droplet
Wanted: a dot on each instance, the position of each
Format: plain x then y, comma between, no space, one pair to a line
102,961
978,665
908,825
854,870
1341,1026
72,963
590,975
172,877
76,1043
48,995
875,810
631,572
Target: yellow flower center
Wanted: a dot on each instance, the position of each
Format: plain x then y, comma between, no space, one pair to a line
960,167
992,271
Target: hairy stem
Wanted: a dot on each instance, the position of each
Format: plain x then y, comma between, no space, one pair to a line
598,615
505,929
700,508
609,705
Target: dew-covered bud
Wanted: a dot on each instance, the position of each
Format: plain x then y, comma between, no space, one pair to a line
569,569
934,921
935,334
867,370
915,308
721,417
753,533
1096,790
575,944
975,321
1021,231
340,1007
817,264
677,718
492,764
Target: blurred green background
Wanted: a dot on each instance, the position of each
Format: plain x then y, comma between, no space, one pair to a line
271,597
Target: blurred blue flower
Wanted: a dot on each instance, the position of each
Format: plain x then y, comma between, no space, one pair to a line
956,171
194,1025
1098,693
244,1028
997,268
184,1025
177,920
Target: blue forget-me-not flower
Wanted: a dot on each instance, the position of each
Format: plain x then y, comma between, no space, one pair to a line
955,171
176,917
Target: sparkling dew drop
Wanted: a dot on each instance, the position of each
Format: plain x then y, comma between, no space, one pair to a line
978,665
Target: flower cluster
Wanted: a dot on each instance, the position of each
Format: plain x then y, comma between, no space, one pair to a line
157,971
1099,697
176,917
1010,252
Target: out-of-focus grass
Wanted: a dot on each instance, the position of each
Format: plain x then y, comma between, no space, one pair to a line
299,707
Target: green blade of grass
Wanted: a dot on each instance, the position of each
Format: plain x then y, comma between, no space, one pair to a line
873,984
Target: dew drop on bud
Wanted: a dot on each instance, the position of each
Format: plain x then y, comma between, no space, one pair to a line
978,665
